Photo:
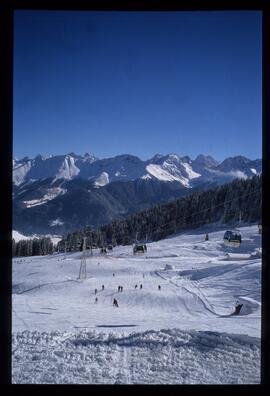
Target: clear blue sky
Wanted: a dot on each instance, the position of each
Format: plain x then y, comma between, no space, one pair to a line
143,83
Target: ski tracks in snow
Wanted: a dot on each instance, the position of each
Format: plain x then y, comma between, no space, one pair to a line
168,356
192,288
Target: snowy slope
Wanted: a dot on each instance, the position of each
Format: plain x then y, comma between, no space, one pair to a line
17,236
153,357
197,296
51,193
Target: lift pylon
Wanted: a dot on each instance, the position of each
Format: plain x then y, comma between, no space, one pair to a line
82,273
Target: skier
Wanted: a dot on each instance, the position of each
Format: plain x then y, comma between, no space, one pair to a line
159,287
95,291
102,287
136,286
140,286
96,300
238,307
113,275
115,303
119,288
207,237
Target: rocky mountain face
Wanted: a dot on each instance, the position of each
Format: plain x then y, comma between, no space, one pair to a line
57,194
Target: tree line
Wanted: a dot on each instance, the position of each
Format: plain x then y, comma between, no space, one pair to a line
32,247
228,204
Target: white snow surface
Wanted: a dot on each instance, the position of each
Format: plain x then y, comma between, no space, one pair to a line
102,180
51,194
162,174
56,222
183,333
17,236
68,169
190,172
20,171
168,356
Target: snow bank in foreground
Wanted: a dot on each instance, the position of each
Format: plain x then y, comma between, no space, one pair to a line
153,357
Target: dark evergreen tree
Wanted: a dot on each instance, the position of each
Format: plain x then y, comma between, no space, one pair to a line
224,205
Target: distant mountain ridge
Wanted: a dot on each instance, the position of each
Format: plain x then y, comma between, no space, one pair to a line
170,167
55,194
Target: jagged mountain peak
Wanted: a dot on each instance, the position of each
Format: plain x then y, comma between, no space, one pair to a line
155,158
128,157
159,158
234,163
206,160
72,154
170,167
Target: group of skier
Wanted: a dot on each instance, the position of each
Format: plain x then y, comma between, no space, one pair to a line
95,291
120,289
238,306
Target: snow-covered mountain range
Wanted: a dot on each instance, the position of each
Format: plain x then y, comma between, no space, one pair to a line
171,167
63,192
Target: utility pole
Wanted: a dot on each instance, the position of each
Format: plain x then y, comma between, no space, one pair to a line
65,249
82,273
102,243
91,243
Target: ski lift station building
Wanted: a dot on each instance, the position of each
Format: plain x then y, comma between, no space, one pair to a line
232,238
139,248
168,267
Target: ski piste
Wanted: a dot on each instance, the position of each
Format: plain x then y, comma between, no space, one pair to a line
55,318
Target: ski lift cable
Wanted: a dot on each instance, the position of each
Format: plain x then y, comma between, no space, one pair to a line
211,207
173,222
203,222
222,203
196,223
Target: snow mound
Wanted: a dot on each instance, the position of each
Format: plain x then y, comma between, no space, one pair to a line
168,267
168,356
249,305
236,256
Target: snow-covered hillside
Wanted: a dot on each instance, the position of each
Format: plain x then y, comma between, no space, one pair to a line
183,333
17,236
